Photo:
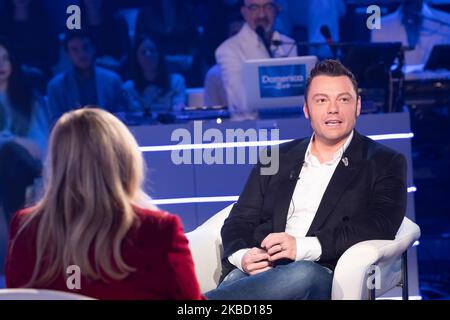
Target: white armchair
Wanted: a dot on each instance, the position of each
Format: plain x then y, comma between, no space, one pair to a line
387,258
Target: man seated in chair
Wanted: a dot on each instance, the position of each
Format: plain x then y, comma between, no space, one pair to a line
285,234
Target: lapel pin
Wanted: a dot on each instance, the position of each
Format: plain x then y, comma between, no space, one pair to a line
345,161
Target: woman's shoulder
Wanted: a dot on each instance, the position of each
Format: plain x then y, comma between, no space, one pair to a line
155,218
157,226
24,213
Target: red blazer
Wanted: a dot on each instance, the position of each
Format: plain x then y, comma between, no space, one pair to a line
158,249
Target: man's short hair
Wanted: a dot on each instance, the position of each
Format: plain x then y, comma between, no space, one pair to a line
330,68
73,34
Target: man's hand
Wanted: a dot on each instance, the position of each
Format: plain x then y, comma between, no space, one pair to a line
280,246
255,261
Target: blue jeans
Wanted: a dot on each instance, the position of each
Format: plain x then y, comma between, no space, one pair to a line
299,280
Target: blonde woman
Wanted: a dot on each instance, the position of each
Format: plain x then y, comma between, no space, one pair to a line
89,217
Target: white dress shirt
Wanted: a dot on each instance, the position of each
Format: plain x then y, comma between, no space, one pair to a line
309,190
245,45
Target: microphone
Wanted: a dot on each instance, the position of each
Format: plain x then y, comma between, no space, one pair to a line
345,161
326,33
262,35
278,43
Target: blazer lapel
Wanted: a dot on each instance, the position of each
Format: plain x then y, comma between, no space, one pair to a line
341,179
290,167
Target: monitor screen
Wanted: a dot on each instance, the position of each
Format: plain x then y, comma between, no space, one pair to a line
280,82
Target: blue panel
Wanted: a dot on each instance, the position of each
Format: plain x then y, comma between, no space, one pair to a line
371,124
187,212
207,210
157,135
293,128
167,180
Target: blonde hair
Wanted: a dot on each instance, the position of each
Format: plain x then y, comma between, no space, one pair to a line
95,173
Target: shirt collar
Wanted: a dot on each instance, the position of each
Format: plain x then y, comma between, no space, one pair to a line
310,159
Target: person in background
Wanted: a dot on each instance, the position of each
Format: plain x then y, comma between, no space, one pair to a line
417,26
109,33
83,83
245,45
172,25
33,37
151,87
23,133
95,215
23,138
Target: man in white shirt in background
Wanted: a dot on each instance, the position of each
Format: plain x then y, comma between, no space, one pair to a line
248,45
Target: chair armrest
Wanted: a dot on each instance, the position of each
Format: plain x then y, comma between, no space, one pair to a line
205,243
206,250
352,269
